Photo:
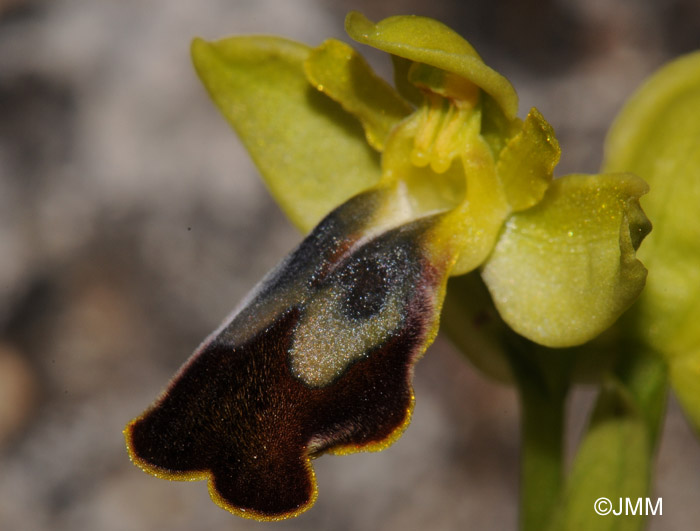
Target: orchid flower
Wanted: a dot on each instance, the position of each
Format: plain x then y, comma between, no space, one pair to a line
400,187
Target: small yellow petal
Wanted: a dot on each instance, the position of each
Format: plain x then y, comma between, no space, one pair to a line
340,72
526,164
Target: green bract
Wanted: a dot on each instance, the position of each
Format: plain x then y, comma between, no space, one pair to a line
447,139
657,136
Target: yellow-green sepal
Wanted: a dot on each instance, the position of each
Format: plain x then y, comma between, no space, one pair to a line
564,270
428,41
311,153
657,136
341,73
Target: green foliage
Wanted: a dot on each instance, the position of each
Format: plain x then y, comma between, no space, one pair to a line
657,136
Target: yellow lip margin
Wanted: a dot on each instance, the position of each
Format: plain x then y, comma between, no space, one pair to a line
200,475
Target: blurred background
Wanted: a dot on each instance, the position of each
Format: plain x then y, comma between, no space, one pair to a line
132,222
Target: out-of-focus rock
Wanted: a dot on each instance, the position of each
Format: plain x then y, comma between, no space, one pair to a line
18,393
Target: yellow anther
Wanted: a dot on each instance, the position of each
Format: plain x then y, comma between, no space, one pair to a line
443,131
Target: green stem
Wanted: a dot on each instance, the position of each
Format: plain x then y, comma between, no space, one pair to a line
542,459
